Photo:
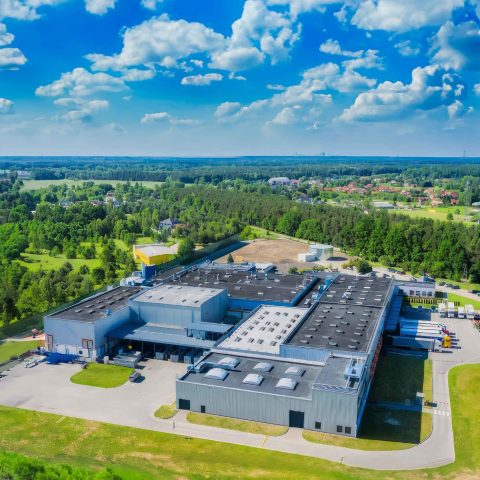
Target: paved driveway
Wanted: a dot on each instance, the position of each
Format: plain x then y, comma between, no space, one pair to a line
48,388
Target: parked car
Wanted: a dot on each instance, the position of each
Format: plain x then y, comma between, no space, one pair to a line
442,284
134,376
456,287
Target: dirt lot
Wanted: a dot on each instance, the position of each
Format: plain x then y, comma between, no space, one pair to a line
282,252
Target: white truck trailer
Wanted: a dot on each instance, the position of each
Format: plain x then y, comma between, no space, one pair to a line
451,310
442,310
461,312
470,312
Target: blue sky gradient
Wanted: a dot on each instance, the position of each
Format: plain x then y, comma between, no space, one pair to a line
239,77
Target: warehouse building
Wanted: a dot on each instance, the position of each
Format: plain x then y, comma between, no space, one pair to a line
154,254
82,328
317,376
176,320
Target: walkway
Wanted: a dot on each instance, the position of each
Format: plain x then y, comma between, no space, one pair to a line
437,450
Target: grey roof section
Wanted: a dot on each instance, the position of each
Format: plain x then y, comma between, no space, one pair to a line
337,327
355,290
245,367
180,295
248,285
332,377
209,327
152,333
344,322
94,308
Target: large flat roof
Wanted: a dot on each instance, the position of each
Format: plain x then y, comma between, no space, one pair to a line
344,322
183,295
248,285
246,365
94,308
265,330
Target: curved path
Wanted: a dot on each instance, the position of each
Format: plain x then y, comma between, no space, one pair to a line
132,405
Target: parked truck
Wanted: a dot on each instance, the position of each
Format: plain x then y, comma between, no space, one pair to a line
442,310
416,343
470,312
451,310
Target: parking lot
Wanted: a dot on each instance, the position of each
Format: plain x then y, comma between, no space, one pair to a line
48,388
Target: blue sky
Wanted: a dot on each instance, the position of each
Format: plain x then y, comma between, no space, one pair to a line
239,77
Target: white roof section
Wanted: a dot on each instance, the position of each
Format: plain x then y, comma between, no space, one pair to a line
156,249
183,295
265,330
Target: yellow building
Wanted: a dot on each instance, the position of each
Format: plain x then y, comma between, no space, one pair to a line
154,254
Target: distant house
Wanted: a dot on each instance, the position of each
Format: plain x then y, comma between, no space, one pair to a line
384,205
24,174
65,203
110,199
277,181
97,203
169,223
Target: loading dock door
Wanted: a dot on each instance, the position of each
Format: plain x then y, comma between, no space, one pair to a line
296,419
183,404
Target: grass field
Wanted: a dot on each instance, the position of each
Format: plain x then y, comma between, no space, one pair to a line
39,184
105,376
236,424
399,378
13,349
435,213
453,297
45,261
382,429
166,411
145,455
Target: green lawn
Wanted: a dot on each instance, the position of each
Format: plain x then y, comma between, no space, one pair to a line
453,297
44,261
145,455
236,424
166,411
435,213
400,377
38,184
382,429
105,376
13,349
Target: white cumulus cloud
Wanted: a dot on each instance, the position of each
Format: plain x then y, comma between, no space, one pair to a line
24,9
458,46
202,80
80,82
6,106
160,41
404,15
151,4
6,38
166,118
99,7
11,58
430,88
